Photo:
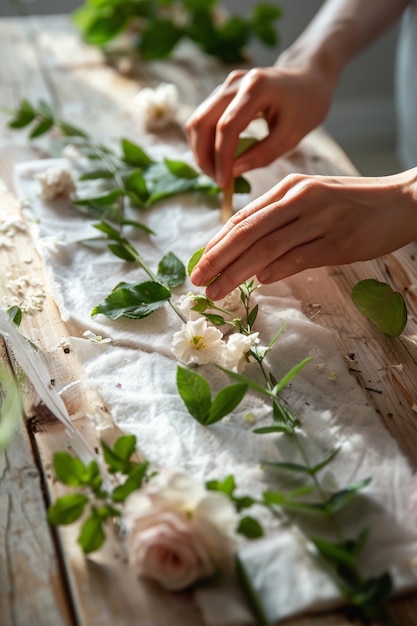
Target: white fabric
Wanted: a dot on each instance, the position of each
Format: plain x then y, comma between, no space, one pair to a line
135,376
406,88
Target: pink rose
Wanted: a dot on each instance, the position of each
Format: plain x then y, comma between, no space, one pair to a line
179,533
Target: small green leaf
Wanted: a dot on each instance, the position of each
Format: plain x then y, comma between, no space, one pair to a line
92,534
194,259
181,169
226,400
250,528
96,174
227,486
132,483
290,375
383,306
241,185
115,462
10,406
195,393
67,509
103,200
41,128
70,470
213,318
15,314
343,497
125,446
171,270
134,155
122,251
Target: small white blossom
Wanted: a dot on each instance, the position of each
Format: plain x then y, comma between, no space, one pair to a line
185,305
56,182
198,343
88,334
178,531
157,107
71,152
237,351
232,302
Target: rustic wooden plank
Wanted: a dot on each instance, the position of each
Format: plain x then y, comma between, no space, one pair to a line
33,589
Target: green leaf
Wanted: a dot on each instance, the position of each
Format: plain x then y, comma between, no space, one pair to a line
136,183
122,251
195,393
303,469
10,406
253,315
250,528
181,169
125,446
213,318
241,185
92,534
115,461
227,486
158,39
226,400
67,509
345,553
343,497
15,314
171,270
290,375
24,115
41,128
132,483
96,174
383,306
273,429
134,301
69,469
134,155
103,200
194,259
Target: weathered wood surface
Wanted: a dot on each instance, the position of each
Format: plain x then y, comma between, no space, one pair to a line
43,577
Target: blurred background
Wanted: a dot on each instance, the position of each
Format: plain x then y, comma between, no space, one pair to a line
362,118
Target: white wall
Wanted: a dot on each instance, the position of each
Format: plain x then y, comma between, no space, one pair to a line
363,109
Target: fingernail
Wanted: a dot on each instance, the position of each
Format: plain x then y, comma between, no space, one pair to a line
197,277
212,291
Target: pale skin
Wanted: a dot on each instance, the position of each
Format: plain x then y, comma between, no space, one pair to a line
304,221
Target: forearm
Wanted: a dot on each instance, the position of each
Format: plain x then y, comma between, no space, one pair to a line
340,30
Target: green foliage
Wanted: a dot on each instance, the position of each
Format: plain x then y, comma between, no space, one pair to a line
159,26
196,395
10,406
383,306
96,504
133,300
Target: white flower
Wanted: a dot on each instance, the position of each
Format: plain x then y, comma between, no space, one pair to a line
237,350
199,343
88,334
178,531
157,107
232,302
185,305
71,152
56,182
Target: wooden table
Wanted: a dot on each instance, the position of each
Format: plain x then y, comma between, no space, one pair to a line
44,581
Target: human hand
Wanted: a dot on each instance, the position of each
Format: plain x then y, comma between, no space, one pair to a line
310,221
292,99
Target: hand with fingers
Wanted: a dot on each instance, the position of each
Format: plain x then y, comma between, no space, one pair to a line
310,221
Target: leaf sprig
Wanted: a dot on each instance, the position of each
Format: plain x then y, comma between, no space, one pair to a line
92,498
159,25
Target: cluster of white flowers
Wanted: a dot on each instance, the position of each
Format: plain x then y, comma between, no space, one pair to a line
178,532
27,293
56,182
157,108
198,342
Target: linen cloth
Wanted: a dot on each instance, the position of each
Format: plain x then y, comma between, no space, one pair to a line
135,376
